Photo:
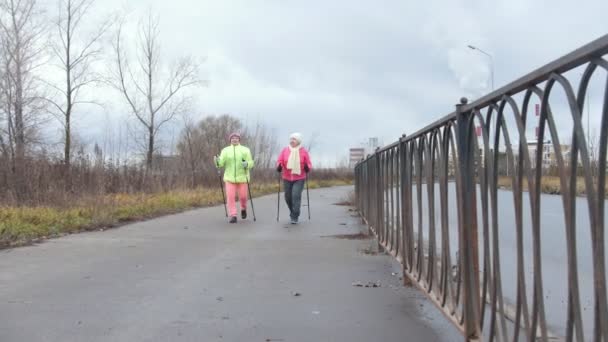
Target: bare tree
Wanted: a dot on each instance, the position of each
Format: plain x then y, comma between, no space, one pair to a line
190,149
594,153
76,51
263,144
5,160
199,143
154,99
21,35
312,142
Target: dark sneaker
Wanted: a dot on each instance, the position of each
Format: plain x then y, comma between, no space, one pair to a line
233,219
294,221
243,214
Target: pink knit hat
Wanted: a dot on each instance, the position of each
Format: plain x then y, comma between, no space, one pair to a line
234,134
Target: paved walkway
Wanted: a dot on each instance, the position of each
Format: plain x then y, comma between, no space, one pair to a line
194,277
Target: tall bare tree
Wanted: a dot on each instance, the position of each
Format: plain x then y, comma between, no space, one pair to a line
189,148
312,142
263,144
198,143
153,97
76,51
21,41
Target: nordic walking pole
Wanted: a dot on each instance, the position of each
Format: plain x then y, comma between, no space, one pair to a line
307,196
250,198
279,198
223,195
219,174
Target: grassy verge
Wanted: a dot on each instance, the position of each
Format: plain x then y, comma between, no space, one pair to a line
24,225
548,185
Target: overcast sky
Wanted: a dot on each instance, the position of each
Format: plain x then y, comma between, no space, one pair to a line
349,70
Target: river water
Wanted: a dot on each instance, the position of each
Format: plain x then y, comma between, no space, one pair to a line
553,247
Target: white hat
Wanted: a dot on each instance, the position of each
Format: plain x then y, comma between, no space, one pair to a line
297,136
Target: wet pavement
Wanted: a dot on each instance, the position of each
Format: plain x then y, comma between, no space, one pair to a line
194,277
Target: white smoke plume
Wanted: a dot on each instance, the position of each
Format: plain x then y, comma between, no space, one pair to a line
451,27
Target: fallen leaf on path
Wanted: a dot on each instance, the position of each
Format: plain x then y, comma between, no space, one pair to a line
368,284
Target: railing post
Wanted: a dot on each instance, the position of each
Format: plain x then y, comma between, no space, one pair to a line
467,206
379,200
402,211
357,186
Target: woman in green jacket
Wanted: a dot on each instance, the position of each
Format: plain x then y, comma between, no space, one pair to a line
236,160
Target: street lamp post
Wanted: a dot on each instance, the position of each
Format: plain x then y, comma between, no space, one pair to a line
491,63
491,79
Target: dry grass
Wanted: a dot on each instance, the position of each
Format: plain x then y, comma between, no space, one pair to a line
24,225
349,200
549,185
356,236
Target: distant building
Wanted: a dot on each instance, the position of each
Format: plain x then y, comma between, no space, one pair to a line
357,154
549,157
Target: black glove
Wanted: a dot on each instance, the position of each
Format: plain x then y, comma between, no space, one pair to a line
306,168
279,168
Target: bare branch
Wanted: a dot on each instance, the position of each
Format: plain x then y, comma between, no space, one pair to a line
121,86
184,77
154,99
98,104
51,85
55,105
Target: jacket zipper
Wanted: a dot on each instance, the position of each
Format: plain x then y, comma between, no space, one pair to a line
234,153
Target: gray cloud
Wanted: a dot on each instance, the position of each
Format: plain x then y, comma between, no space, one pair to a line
348,70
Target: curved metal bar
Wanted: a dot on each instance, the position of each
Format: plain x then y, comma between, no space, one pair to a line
603,143
434,261
420,245
597,229
483,180
392,182
430,196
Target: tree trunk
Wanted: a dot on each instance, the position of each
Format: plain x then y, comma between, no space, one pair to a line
68,112
191,157
67,154
150,155
193,168
20,186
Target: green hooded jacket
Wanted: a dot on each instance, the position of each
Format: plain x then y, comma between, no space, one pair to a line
231,160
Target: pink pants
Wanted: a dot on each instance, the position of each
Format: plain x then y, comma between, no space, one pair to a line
231,191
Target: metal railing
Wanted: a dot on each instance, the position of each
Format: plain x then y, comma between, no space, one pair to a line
432,198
